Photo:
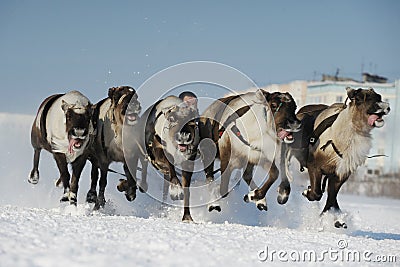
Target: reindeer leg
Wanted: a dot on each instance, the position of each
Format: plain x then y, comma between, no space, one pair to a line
258,195
175,188
284,186
64,174
91,196
186,179
334,185
77,167
226,172
34,175
130,192
101,200
165,187
213,189
143,182
314,192
248,176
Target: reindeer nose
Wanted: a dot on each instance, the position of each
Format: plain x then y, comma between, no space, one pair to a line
296,124
385,106
79,132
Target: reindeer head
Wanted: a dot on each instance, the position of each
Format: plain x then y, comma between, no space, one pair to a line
182,129
125,104
283,108
367,107
78,124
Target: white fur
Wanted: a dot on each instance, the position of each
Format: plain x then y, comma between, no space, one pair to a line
112,139
55,124
162,124
262,201
349,142
257,127
175,191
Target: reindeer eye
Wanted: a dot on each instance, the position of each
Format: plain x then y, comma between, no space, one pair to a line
274,105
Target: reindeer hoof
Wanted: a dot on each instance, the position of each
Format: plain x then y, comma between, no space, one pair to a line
246,198
339,224
187,218
100,203
282,199
214,207
33,180
262,207
130,197
72,198
123,185
91,197
283,193
311,196
261,204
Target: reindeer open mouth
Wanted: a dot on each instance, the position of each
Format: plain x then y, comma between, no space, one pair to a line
131,117
75,143
76,140
286,134
184,141
376,120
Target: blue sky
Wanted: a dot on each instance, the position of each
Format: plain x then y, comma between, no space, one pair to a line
55,46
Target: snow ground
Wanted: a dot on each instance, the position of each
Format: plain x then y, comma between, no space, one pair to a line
36,230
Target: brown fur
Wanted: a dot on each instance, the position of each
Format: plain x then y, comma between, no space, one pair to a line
77,127
111,116
282,107
343,146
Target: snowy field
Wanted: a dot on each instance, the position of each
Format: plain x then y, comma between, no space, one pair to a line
36,230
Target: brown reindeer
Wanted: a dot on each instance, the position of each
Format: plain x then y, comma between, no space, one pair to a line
337,149
115,115
248,130
63,127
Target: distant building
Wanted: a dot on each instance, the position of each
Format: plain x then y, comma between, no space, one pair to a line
298,90
369,78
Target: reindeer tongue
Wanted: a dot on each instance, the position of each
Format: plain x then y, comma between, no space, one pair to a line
372,118
182,148
71,145
282,134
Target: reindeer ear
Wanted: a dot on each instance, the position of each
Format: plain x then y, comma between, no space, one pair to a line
262,95
111,92
131,89
90,108
65,106
115,94
351,93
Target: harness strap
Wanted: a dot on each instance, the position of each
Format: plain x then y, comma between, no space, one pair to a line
330,142
239,135
219,114
325,124
232,118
